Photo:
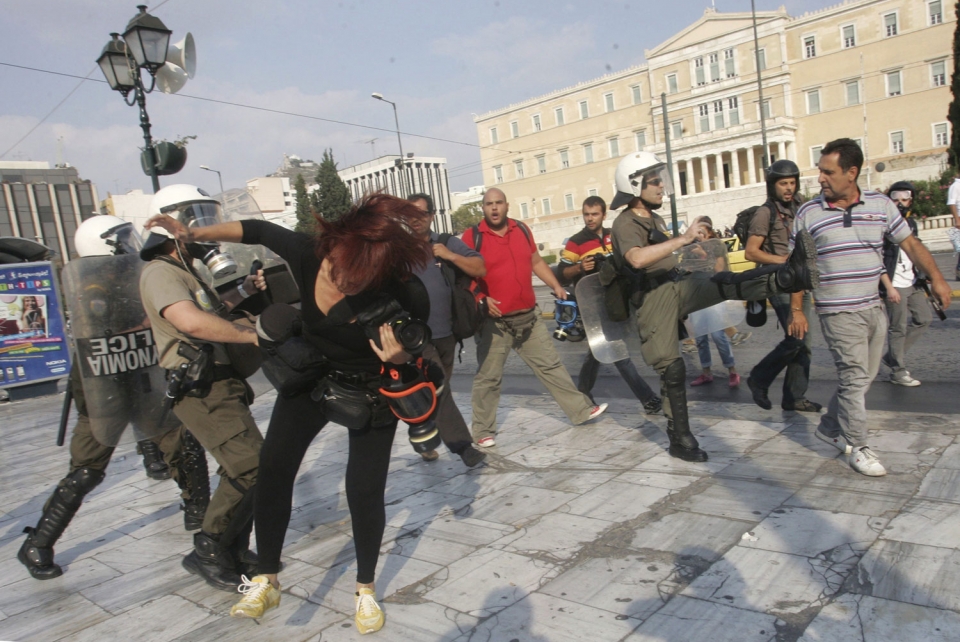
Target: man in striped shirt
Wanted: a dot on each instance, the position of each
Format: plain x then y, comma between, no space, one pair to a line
848,227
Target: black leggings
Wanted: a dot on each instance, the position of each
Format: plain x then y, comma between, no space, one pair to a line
293,425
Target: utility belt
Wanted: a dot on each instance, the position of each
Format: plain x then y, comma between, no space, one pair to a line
626,287
353,399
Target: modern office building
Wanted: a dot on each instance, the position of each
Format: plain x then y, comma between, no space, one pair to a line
275,199
872,70
44,204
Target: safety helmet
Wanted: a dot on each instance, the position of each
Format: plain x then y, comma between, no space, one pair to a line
188,204
633,171
782,168
106,235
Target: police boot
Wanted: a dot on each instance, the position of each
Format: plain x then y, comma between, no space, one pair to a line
210,561
683,445
153,460
37,550
194,477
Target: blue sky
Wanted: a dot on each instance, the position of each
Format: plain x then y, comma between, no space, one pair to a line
439,61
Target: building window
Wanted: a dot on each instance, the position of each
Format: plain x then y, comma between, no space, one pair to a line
890,24
853,92
893,83
558,112
815,155
701,74
591,192
733,107
545,206
813,101
608,102
941,135
635,93
704,112
935,12
564,159
494,139
518,167
641,139
849,36
584,112
763,59
809,46
536,122
568,201
767,112
714,67
498,173
614,146
676,130
524,210
515,129
718,114
542,164
938,73
896,142
588,153
672,83
730,68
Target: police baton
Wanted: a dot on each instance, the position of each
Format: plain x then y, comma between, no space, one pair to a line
65,414
172,393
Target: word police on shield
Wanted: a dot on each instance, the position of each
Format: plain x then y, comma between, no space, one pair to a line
107,356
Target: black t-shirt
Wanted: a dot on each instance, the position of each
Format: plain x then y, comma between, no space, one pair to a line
345,344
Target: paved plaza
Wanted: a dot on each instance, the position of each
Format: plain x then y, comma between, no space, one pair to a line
569,533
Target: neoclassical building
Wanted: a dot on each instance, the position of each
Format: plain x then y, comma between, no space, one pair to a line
872,70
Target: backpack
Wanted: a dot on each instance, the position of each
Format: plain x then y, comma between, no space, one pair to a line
478,237
466,315
741,227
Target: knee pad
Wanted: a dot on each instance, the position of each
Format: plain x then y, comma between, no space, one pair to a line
77,484
675,374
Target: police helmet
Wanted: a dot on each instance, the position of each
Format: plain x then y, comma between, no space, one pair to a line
188,204
632,173
106,235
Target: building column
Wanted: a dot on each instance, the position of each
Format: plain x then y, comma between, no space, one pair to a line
35,215
676,178
75,201
735,168
64,252
790,151
751,167
7,195
781,153
704,175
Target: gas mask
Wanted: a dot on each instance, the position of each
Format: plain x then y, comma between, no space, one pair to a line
203,214
219,263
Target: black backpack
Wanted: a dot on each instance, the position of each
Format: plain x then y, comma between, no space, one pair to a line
741,227
466,315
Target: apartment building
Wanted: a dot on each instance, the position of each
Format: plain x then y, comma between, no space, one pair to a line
873,70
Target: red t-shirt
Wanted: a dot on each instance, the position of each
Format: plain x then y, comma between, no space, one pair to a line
509,261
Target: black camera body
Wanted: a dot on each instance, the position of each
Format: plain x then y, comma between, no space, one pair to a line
598,261
412,334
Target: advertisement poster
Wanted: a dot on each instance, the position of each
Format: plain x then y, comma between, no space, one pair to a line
33,339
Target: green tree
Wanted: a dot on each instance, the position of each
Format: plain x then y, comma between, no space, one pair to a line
305,220
931,195
953,112
332,198
466,216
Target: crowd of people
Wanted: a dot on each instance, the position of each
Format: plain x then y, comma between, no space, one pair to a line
851,255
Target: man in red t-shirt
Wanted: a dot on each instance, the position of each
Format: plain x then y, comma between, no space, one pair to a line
511,256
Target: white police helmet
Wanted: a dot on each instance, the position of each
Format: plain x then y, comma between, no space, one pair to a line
633,173
188,204
105,235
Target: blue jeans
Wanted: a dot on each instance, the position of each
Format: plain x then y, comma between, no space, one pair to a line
590,368
722,341
791,353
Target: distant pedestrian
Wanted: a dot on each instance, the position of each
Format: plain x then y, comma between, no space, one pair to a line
953,203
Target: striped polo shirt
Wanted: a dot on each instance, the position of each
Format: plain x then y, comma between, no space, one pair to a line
850,259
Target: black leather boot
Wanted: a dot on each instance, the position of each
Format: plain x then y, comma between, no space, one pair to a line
215,565
683,445
194,477
153,460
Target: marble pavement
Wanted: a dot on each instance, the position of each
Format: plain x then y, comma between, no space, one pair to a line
569,533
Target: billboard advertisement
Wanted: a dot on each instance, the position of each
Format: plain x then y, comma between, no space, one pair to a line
33,338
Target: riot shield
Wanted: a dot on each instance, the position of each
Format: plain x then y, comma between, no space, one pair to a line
123,383
710,257
610,341
715,318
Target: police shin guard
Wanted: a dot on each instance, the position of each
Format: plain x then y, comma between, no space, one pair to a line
683,445
153,460
194,477
235,538
37,551
212,562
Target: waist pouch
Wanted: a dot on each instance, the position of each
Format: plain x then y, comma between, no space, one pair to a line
294,366
519,325
355,406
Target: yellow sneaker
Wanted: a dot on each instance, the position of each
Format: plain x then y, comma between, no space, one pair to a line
259,596
369,617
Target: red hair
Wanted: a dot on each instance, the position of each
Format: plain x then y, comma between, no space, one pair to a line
372,243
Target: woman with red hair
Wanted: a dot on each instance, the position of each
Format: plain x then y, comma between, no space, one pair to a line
368,251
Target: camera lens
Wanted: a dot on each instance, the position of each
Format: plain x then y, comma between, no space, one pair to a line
412,334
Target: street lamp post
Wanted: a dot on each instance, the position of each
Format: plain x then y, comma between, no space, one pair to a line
396,120
223,202
144,46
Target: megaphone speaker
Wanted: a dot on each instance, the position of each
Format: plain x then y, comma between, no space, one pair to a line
183,54
171,78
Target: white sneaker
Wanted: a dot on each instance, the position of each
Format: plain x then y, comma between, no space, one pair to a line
904,379
487,442
369,617
866,463
597,411
837,442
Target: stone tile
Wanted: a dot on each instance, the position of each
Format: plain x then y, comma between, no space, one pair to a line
926,522
568,481
518,505
167,618
684,618
295,620
757,580
143,552
620,453
690,534
323,546
422,507
555,537
27,593
629,586
429,549
855,618
410,622
911,573
616,501
808,532
464,530
544,617
745,429
668,481
744,500
940,483
775,470
503,578
479,483
132,589
899,441
664,463
825,498
797,442
53,620
714,443
950,457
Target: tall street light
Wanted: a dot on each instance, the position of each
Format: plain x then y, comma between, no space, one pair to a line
400,164
223,202
144,46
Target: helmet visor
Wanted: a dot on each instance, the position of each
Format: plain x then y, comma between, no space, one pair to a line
197,214
414,404
658,177
128,242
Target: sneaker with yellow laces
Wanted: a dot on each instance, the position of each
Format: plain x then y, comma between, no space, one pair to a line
369,617
259,596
